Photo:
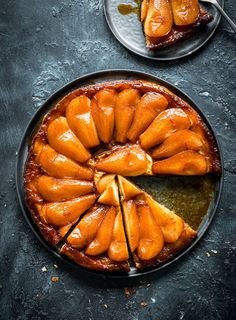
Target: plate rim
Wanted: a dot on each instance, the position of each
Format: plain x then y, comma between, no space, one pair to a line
121,41
45,107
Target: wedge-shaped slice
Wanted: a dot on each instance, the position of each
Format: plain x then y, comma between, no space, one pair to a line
59,166
126,103
98,241
87,228
130,160
60,214
80,120
169,250
151,240
179,141
185,12
118,250
131,218
149,106
103,181
103,105
64,141
159,20
170,223
52,189
166,123
127,189
110,195
186,163
103,238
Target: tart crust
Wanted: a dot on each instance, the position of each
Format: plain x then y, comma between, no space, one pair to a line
98,263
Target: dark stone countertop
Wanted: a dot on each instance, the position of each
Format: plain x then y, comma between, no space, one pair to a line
45,44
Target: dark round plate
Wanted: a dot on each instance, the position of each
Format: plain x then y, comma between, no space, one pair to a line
151,184
128,31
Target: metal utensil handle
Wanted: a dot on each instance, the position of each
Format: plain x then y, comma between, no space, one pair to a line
233,25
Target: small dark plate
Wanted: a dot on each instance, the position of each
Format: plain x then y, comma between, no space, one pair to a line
157,186
128,31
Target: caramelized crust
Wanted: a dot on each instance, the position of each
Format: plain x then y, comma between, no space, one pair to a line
98,263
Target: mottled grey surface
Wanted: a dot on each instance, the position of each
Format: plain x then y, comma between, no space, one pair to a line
45,44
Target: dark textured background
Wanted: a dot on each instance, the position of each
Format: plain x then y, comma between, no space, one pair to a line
45,44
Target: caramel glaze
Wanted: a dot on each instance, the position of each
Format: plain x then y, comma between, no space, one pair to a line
98,263
32,170
179,33
168,252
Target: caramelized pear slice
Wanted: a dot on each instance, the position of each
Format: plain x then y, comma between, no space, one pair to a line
103,105
131,223
179,141
52,189
103,238
127,189
166,123
186,163
63,230
80,120
159,18
87,228
59,166
110,196
151,238
118,250
104,181
64,141
149,106
126,103
171,224
144,10
185,12
127,161
62,213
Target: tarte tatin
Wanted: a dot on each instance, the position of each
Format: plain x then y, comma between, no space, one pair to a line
166,22
76,173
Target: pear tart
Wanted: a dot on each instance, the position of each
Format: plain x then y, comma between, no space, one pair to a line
74,174
166,22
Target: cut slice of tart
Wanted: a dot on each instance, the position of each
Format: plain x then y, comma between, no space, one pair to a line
56,204
166,22
55,218
110,195
127,189
155,234
98,241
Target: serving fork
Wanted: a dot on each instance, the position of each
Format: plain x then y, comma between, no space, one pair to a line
216,4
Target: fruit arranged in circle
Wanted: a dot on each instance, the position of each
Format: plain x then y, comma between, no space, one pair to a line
75,175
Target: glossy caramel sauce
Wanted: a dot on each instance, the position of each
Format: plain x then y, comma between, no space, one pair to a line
126,9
